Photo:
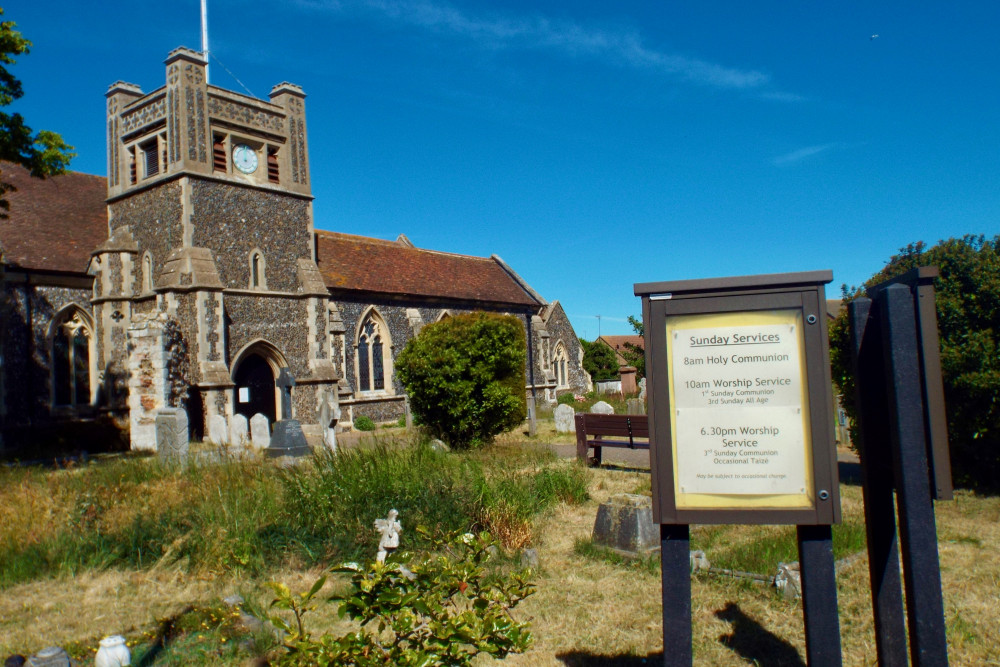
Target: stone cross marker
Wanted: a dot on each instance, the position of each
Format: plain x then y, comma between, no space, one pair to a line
172,435
284,383
287,438
601,408
218,432
260,431
239,431
389,528
565,419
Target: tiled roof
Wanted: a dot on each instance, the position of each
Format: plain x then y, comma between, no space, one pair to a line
54,223
618,342
358,263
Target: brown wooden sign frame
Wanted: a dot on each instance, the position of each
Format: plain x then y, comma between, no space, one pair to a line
800,294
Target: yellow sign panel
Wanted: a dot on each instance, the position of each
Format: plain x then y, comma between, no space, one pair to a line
739,411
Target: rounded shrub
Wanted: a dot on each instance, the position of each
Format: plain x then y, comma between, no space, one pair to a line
465,377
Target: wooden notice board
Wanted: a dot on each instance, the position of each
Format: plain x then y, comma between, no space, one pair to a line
741,406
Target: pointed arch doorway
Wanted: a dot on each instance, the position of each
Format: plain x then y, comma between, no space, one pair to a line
254,373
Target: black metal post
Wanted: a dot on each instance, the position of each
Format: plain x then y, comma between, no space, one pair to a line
819,596
675,559
918,535
872,441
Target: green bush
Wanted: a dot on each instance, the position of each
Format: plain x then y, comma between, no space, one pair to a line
363,423
441,610
599,360
465,377
967,295
566,399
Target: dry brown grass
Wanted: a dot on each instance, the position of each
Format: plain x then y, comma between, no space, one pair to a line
585,611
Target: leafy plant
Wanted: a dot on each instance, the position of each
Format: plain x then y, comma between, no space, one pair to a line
363,423
465,377
441,610
599,360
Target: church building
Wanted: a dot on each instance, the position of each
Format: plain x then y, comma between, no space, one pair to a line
192,276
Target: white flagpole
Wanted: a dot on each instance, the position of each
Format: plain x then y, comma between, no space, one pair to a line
204,35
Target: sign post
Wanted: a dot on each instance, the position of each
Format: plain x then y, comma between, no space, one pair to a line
741,431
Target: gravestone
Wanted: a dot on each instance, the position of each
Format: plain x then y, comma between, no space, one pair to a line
329,417
635,406
625,525
218,431
52,656
260,432
172,435
288,438
565,419
601,408
789,580
642,389
239,431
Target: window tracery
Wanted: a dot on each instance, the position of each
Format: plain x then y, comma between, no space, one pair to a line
374,356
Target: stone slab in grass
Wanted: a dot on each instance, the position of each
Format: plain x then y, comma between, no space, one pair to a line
625,524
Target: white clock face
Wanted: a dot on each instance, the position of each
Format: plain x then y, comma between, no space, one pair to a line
245,158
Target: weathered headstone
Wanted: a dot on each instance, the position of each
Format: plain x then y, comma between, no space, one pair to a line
625,524
529,558
172,435
601,408
260,431
218,431
329,417
635,406
239,431
642,389
52,656
288,440
699,561
565,419
789,580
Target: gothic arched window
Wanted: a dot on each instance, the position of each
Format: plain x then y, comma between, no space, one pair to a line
71,336
559,360
374,355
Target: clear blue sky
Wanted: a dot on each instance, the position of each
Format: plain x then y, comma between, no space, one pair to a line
590,144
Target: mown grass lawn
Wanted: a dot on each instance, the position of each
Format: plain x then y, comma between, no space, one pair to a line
125,546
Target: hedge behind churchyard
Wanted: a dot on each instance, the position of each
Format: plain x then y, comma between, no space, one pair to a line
968,310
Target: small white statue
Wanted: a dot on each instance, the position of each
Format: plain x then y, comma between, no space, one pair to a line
390,530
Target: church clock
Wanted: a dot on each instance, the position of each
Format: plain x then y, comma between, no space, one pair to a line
245,158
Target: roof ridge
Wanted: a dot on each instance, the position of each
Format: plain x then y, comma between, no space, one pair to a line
397,244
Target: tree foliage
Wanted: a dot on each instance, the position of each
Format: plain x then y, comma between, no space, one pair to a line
599,360
635,355
968,311
43,153
465,377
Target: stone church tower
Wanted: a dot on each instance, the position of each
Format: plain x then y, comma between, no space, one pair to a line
207,287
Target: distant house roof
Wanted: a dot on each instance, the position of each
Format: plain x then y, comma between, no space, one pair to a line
833,308
361,264
54,223
617,343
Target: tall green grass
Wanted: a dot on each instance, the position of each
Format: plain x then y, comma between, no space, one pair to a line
248,516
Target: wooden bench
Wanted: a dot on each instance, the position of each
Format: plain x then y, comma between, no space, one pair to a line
598,431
